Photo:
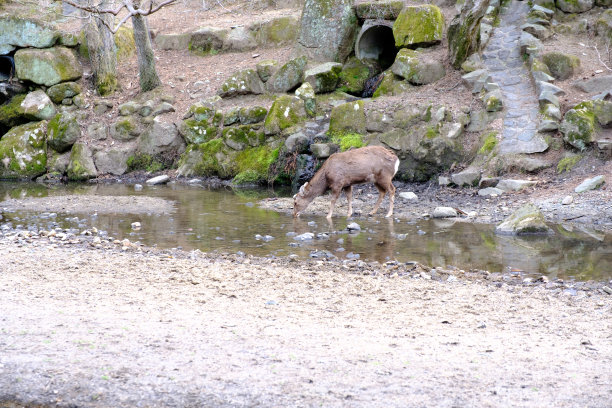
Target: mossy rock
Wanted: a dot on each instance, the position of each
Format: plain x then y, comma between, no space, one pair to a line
574,6
198,131
324,77
207,39
81,166
348,141
241,137
348,118
25,32
204,160
140,161
11,113
124,43
418,26
63,131
307,94
278,31
417,68
527,220
38,106
391,84
286,112
538,65
568,162
464,31
242,83
578,125
125,129
561,66
603,25
353,77
252,115
379,10
256,161
603,112
288,77
59,92
267,68
48,66
57,163
23,152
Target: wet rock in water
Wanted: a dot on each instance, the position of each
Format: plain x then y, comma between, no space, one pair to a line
353,226
307,236
352,255
158,180
527,220
590,184
408,196
305,169
138,187
136,226
444,212
567,200
371,85
321,254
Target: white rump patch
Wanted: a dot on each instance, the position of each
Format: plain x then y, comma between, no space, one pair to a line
397,162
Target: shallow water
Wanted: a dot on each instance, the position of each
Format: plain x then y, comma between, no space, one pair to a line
227,221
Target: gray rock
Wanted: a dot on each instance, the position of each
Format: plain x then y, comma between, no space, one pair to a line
542,86
239,39
561,66
552,111
321,150
38,106
125,129
547,97
324,77
267,68
25,33
113,160
307,93
590,184
464,31
59,92
161,138
208,38
567,200
48,66
515,185
129,108
408,196
288,77
307,236
62,132
327,30
490,191
172,41
538,31
476,80
162,108
242,83
542,76
81,166
444,212
455,130
527,220
468,177
417,68
574,6
297,142
353,226
479,120
529,44
488,182
443,181
548,125
163,179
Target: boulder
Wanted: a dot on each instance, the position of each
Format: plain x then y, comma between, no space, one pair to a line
172,41
529,44
161,138
417,68
468,177
63,131
603,25
47,66
348,118
353,76
379,10
11,113
242,83
595,84
515,185
327,30
81,166
267,68
239,39
97,131
578,125
254,114
129,108
64,90
527,220
575,6
603,112
57,162
20,32
37,106
286,111
464,31
288,77
207,39
324,77
114,159
590,184
23,152
278,31
241,137
418,26
444,212
297,142
307,94
321,150
561,66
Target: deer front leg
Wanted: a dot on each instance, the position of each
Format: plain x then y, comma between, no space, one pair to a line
391,191
381,195
348,191
335,194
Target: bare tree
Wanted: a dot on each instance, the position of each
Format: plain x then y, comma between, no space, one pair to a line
104,15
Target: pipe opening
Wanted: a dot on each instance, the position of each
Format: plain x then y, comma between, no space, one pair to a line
7,68
376,42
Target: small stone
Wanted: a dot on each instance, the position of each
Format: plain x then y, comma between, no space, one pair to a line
490,192
307,236
443,181
353,226
607,289
590,184
444,212
408,196
136,225
138,187
567,200
515,185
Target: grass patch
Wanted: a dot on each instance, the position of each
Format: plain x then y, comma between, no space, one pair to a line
489,143
347,141
568,163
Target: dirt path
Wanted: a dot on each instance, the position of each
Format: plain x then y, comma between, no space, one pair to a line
94,328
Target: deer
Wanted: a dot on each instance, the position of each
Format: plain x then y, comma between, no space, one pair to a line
370,164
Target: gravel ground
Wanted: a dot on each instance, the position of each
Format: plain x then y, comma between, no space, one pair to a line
86,323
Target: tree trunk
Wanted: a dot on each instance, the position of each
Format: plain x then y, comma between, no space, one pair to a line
146,60
102,53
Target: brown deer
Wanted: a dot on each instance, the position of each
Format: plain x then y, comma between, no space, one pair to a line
371,164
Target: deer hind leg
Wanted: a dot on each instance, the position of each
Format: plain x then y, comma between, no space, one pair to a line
335,194
348,191
381,195
391,191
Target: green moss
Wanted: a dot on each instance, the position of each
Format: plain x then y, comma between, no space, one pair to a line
239,137
347,141
143,161
348,118
106,84
489,143
256,161
568,163
11,113
427,115
285,112
23,149
124,41
353,78
198,131
247,177
418,25
578,125
431,132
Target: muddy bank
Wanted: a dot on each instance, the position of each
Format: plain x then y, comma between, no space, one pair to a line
96,324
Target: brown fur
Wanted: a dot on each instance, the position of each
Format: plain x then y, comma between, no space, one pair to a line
371,164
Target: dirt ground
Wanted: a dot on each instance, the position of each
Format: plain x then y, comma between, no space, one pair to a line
139,327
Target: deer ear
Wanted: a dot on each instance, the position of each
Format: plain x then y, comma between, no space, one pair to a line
303,187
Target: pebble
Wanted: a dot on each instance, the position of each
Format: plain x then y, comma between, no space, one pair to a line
353,226
444,212
304,237
138,187
567,200
408,196
136,225
158,180
607,289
